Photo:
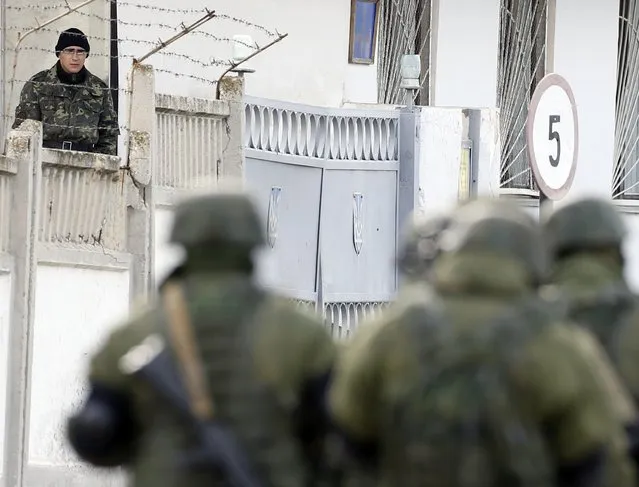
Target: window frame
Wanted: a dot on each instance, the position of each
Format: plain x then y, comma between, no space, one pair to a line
351,38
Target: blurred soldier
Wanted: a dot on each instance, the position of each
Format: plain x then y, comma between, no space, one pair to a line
420,245
492,390
585,240
74,106
219,383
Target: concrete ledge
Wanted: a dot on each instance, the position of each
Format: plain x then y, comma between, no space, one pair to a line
80,160
518,193
54,255
191,106
71,476
626,205
166,197
8,165
521,200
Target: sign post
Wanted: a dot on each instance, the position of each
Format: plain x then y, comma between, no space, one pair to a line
552,136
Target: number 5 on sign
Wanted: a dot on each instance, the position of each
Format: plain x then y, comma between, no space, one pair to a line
552,136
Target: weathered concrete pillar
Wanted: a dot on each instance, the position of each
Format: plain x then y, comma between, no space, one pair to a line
232,165
24,147
486,152
139,180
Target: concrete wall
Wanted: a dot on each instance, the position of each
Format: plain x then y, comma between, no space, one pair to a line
465,53
5,317
440,172
585,53
64,335
67,271
309,66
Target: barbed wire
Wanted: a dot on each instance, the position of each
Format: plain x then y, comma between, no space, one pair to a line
197,11
142,30
146,42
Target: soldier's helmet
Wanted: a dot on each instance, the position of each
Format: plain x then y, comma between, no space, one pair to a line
496,227
227,218
589,223
420,243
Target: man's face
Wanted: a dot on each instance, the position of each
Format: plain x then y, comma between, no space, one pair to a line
72,59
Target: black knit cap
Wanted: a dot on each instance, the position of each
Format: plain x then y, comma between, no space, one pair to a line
72,37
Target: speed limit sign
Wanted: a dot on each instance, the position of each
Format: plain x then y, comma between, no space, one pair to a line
552,135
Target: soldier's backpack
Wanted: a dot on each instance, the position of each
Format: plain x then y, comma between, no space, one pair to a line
460,425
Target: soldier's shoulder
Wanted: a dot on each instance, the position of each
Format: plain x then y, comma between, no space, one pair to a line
391,327
564,339
96,82
41,78
290,312
41,75
141,323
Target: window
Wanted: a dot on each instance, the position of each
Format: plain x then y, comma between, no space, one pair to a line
522,56
363,35
625,179
405,29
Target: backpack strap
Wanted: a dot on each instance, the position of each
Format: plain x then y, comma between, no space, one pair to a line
188,358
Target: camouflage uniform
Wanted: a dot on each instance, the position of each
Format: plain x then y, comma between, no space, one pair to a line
82,113
265,363
556,417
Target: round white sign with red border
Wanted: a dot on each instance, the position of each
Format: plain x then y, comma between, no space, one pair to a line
552,135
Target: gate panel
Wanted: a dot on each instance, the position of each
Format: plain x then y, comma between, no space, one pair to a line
359,233
288,196
358,241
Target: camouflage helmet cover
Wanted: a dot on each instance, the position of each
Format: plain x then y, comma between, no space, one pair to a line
420,241
498,227
587,223
227,218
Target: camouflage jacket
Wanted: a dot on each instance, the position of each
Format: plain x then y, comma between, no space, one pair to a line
601,300
560,373
258,352
81,113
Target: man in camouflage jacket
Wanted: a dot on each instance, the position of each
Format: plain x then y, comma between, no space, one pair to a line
265,364
560,410
75,107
